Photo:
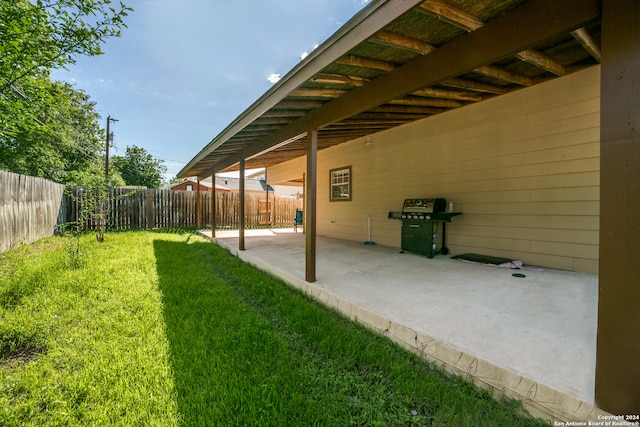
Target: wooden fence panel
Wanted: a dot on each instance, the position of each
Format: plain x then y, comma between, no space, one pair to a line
30,209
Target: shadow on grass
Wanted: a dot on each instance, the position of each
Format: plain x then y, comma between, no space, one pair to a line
246,349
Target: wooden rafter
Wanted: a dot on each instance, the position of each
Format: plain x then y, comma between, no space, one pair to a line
260,127
468,22
585,39
463,20
358,61
542,61
339,79
302,104
448,94
271,121
284,113
504,74
475,86
254,131
457,57
317,93
451,15
426,102
428,79
372,119
406,109
491,71
396,40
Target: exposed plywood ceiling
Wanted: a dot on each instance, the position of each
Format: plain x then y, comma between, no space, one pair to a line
398,61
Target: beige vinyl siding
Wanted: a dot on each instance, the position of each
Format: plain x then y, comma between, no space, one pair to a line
523,167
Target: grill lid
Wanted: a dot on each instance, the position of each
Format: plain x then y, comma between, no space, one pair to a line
424,206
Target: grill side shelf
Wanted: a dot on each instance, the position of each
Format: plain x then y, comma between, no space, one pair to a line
444,216
394,215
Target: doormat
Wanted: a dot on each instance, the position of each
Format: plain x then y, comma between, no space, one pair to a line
489,260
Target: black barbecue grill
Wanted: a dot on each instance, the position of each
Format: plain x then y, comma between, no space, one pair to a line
421,219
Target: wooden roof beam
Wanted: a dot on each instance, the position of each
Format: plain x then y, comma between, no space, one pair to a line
542,61
532,23
406,109
468,22
451,15
504,74
355,131
260,128
585,39
271,121
297,104
339,79
426,102
388,38
448,94
373,120
475,86
358,61
283,113
317,93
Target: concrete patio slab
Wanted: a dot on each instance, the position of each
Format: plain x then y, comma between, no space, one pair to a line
532,338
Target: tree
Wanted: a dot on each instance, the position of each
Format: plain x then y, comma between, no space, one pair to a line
65,145
138,167
47,128
176,180
46,34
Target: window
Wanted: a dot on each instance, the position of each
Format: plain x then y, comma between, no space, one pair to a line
340,184
189,187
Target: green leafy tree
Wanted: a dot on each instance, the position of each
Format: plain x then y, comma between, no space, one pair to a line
47,128
47,34
176,180
138,167
66,145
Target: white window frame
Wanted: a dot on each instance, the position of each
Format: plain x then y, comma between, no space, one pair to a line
340,184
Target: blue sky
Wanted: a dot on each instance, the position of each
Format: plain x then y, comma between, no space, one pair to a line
184,69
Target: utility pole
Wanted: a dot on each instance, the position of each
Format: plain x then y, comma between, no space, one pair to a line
109,139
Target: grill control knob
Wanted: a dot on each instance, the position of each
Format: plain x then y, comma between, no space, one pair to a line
404,215
421,217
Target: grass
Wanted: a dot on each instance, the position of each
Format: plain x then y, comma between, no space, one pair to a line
161,328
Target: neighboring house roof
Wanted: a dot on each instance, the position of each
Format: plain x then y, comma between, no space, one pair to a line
398,61
203,183
234,184
251,185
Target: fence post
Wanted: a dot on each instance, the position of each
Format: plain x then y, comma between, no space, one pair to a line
149,209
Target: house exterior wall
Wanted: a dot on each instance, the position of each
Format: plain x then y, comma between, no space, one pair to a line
523,168
183,186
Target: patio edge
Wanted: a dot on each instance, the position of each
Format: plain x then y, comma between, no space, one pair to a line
538,399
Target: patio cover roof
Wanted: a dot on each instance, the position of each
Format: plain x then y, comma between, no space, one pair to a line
397,61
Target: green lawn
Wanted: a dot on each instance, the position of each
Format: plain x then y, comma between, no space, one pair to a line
162,328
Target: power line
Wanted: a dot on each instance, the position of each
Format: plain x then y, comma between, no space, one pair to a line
79,144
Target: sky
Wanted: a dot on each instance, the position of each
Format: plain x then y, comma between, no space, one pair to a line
184,69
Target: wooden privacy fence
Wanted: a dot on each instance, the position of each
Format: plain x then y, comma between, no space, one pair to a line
125,209
30,209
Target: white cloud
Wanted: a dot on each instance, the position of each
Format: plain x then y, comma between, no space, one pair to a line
274,78
305,54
